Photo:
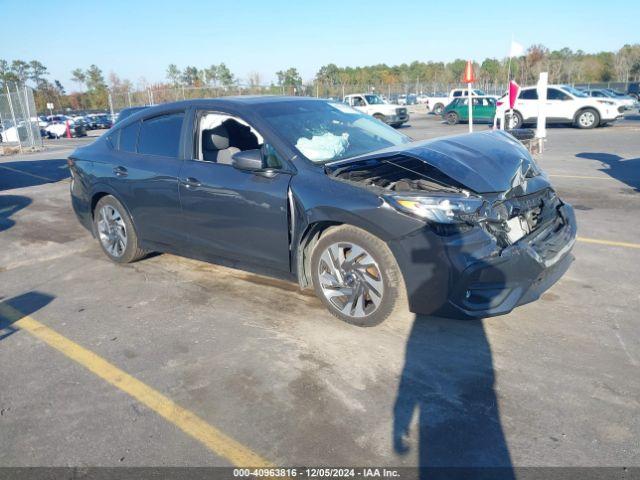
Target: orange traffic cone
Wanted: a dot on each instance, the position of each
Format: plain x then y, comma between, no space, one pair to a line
68,130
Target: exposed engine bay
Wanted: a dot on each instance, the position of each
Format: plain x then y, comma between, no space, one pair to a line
507,216
398,173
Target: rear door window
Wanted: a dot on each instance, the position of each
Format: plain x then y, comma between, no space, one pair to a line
161,135
555,94
129,137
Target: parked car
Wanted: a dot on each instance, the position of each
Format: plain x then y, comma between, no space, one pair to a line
564,105
623,100
410,99
20,133
102,122
58,128
375,106
91,122
11,133
633,90
439,101
483,110
465,225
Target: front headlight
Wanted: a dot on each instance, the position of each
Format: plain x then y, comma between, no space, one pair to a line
439,209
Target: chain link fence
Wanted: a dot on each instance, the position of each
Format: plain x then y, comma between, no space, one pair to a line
163,94
19,123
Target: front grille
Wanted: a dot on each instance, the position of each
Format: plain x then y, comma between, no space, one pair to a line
401,111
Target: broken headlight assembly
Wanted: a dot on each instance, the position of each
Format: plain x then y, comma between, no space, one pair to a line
447,209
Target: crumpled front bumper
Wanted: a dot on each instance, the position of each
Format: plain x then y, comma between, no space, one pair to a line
467,275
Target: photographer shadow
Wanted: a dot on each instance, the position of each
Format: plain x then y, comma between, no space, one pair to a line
448,385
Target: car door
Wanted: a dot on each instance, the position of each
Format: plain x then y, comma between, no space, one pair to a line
359,103
144,173
235,213
486,109
461,107
559,106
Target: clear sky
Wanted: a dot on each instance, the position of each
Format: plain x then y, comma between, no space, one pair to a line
140,38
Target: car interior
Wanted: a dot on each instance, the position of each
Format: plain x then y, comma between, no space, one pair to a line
220,136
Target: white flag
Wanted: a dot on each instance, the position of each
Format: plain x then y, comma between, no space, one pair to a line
516,49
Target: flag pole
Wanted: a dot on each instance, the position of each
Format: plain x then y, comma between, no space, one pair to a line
508,82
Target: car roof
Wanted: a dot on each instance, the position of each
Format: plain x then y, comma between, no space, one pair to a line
237,103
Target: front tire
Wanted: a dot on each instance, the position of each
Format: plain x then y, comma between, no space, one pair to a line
115,232
379,116
587,119
355,275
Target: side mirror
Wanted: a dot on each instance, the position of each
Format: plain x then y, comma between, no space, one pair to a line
250,160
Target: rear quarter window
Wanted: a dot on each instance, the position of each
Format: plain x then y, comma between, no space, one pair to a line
129,137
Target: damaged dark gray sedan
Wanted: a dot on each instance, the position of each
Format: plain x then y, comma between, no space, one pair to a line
464,226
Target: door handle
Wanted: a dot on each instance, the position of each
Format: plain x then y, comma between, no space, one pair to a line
120,171
190,182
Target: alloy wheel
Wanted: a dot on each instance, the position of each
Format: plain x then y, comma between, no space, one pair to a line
112,231
587,119
350,279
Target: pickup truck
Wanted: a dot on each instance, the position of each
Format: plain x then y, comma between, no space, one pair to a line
437,102
374,105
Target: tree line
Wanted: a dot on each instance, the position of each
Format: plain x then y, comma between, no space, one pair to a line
564,66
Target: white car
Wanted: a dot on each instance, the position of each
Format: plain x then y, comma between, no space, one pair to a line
565,105
58,128
375,106
19,134
9,135
625,101
438,102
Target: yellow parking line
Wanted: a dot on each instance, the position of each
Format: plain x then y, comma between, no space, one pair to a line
187,421
608,242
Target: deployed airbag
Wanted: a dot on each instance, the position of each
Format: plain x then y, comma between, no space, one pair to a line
323,147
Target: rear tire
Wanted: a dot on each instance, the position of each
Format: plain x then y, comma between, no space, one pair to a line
452,118
115,231
513,120
356,276
438,108
587,119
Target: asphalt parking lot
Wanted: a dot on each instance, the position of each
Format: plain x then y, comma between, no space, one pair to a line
171,361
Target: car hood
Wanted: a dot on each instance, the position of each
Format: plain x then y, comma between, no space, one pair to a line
485,162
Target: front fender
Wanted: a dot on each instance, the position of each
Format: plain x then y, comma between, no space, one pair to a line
318,201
